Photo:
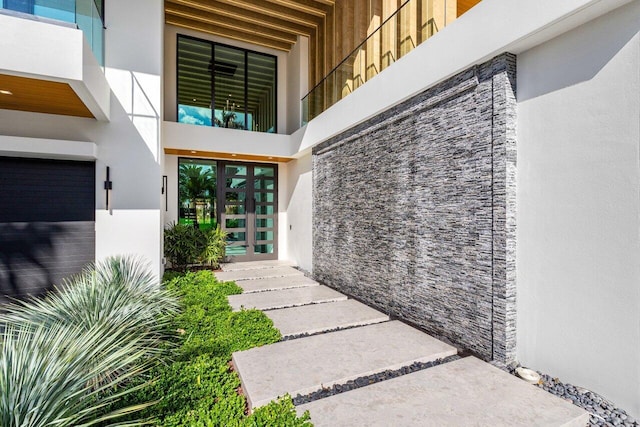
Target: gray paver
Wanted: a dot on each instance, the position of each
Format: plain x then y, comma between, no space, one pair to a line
310,319
285,298
307,364
465,392
259,273
255,265
275,283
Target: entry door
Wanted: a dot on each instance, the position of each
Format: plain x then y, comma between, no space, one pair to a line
247,194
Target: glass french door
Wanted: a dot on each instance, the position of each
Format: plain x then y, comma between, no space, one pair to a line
248,201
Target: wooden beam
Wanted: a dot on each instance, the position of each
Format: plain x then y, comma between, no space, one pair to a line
223,11
231,23
269,9
306,6
228,33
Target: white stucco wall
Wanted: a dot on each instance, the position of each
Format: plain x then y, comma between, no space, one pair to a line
297,82
578,202
129,143
298,207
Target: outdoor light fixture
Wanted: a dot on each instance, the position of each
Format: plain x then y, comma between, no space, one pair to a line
5,92
108,186
165,192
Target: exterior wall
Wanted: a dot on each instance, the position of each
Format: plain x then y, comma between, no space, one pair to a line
170,70
297,82
298,206
579,207
413,211
129,143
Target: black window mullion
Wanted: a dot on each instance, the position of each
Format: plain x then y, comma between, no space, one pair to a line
213,85
246,90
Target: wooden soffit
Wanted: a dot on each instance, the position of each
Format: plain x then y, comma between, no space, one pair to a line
40,96
270,23
226,156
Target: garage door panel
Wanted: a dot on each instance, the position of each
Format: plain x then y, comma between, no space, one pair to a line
47,223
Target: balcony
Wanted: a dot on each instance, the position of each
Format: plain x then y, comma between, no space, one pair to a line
391,34
48,65
85,15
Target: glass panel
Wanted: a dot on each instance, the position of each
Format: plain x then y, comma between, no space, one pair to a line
235,250
197,192
229,87
265,197
261,92
264,210
194,81
236,196
237,183
240,236
235,170
263,249
264,222
234,209
264,235
265,184
235,223
260,171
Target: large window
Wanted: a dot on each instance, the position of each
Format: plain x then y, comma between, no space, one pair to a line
224,86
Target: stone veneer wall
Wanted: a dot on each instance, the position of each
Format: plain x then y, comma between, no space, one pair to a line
414,210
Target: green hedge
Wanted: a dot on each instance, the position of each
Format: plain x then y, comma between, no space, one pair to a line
198,388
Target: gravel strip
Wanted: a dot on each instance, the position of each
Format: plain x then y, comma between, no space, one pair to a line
603,412
368,380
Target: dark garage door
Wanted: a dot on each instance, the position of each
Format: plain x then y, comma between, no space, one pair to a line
47,223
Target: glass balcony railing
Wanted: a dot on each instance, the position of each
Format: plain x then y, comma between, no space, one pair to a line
413,23
86,14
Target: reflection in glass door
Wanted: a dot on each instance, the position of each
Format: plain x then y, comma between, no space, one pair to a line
247,195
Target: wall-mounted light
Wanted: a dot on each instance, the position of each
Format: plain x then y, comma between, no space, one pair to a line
165,191
108,186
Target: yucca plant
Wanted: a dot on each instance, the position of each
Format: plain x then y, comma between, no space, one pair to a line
118,291
47,372
86,340
214,247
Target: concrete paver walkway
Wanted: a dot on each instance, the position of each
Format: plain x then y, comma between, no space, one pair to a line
254,265
276,283
463,392
258,273
311,319
285,298
307,364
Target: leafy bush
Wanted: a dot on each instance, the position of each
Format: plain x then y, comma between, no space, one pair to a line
185,245
198,388
64,357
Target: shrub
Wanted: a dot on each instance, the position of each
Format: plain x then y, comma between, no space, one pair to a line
185,245
66,356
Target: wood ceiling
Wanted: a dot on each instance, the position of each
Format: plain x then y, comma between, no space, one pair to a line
271,23
40,96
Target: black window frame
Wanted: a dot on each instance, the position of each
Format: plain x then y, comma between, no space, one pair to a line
213,90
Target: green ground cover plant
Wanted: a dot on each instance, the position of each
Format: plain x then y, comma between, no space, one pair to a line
198,388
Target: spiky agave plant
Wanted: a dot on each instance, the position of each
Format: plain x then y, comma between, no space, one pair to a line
117,302
47,371
118,291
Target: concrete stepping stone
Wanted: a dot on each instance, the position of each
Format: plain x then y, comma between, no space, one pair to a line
259,273
285,298
276,283
255,265
310,319
460,393
307,364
